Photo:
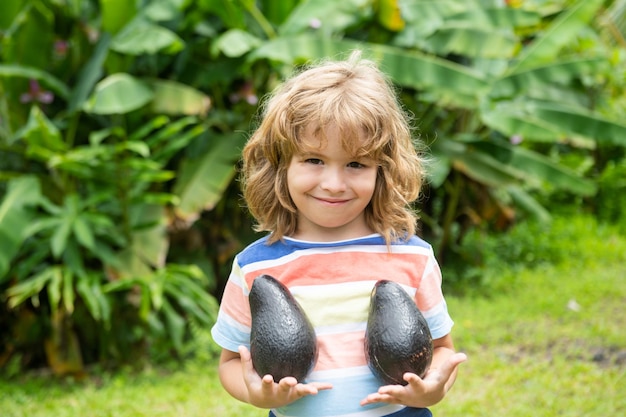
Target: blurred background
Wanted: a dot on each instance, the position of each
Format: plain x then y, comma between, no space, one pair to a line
121,125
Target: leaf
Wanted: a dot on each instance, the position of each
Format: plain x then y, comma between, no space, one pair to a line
425,17
15,218
31,287
561,72
90,74
451,82
169,131
538,167
150,244
235,43
141,133
94,298
474,41
8,11
202,181
116,14
581,122
516,119
476,165
277,11
171,97
118,94
563,29
68,291
41,135
83,233
44,78
524,200
54,289
175,325
58,242
178,142
143,37
497,17
156,284
330,15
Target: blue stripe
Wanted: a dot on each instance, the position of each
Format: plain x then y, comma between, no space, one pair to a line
260,251
229,337
343,398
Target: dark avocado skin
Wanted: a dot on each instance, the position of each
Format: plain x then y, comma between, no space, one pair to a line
282,339
397,339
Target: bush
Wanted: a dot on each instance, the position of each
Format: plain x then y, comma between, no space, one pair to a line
487,262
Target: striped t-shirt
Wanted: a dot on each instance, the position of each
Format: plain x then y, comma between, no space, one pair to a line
333,284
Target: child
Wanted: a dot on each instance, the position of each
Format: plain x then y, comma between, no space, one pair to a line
330,173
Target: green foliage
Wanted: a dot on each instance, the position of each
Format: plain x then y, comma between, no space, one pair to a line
491,262
96,131
610,203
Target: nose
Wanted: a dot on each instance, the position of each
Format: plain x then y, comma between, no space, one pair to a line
332,180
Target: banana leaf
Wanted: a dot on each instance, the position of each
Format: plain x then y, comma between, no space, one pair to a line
561,32
202,180
447,80
15,218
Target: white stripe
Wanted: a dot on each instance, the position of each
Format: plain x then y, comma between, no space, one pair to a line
222,316
236,277
322,291
350,298
437,309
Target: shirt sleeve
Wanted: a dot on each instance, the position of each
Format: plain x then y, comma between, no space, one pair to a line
431,302
232,328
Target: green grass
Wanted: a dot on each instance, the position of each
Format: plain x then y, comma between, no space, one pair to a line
552,344
191,391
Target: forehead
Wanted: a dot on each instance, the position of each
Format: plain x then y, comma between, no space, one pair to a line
318,138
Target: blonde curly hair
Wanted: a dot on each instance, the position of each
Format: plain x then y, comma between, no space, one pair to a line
356,97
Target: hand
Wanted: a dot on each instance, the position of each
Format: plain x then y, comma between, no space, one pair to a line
419,392
265,393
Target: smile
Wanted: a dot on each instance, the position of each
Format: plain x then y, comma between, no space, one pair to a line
331,201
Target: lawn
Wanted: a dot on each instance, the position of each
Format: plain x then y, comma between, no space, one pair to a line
552,344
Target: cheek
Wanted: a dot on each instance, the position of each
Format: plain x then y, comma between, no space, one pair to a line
369,184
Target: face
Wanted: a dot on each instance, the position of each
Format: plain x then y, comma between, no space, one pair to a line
330,188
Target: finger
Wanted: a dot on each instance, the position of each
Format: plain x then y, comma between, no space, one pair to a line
412,379
305,389
321,385
392,390
377,398
287,383
244,354
453,361
267,385
246,363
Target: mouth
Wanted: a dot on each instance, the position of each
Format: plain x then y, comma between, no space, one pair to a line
331,201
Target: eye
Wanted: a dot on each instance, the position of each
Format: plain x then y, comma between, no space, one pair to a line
355,164
314,161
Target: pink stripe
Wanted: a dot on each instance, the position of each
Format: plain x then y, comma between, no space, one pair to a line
347,351
314,269
236,304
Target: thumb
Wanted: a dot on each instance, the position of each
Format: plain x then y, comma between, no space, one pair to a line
246,359
451,364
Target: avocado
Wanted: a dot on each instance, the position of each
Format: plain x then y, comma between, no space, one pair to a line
282,339
397,338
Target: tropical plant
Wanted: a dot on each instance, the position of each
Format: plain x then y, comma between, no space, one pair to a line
105,156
